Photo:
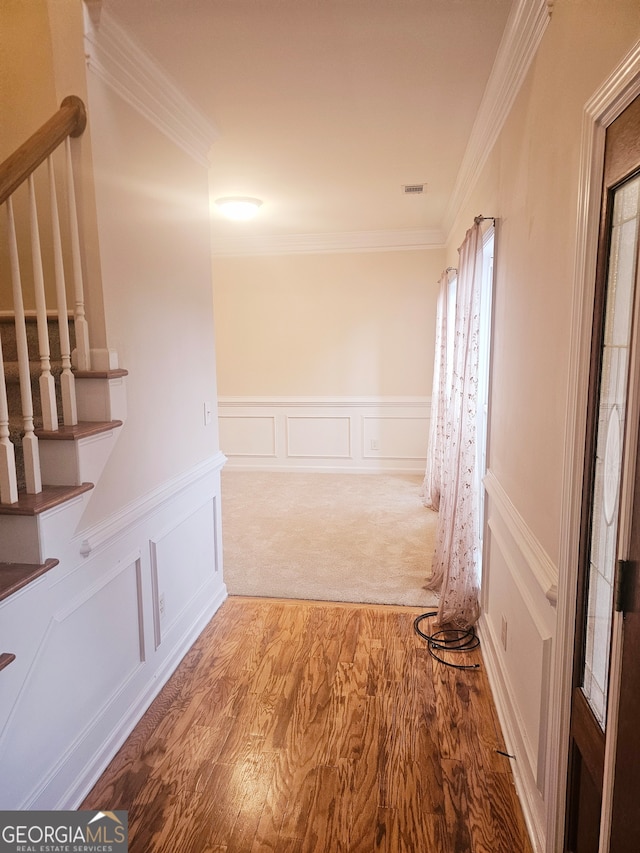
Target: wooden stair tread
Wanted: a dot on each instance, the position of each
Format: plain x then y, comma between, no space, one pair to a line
101,374
6,659
80,430
15,576
49,497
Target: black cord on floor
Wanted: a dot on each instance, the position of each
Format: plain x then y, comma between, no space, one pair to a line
449,640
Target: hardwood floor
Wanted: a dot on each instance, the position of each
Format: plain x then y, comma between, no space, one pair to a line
301,726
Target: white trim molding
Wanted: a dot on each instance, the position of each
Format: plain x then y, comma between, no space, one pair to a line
116,59
517,630
512,727
328,434
539,562
524,30
606,104
399,240
101,534
98,619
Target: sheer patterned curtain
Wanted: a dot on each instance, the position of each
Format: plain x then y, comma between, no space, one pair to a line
432,485
456,559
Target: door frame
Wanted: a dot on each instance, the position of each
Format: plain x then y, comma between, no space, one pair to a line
608,102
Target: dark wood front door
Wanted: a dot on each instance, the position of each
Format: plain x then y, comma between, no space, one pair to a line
603,791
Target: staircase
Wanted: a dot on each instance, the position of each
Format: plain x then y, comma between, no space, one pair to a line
57,424
68,461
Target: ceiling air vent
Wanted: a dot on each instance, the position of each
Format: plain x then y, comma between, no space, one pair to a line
413,189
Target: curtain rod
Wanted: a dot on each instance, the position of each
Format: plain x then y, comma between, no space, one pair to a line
481,218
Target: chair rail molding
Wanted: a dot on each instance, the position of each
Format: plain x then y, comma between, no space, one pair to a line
540,564
101,534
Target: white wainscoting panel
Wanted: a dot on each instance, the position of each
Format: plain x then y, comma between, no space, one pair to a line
87,666
360,434
517,630
88,674
248,435
176,581
395,437
319,436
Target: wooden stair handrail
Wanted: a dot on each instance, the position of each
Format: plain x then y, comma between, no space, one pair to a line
6,658
70,120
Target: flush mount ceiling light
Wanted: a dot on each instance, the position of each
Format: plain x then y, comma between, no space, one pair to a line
238,207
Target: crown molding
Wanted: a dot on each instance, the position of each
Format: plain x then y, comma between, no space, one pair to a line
400,240
123,65
523,32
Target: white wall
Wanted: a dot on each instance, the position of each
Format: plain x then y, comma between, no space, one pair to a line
153,217
326,360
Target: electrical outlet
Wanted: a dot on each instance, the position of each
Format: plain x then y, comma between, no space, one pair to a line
503,633
374,444
161,606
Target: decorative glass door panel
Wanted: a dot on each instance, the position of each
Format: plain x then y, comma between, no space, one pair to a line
614,372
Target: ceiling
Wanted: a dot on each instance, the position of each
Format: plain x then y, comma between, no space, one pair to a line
326,108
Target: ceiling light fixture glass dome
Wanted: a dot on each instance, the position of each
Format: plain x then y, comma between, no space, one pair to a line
239,207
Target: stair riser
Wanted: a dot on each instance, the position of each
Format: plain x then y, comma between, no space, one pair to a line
66,463
20,537
28,538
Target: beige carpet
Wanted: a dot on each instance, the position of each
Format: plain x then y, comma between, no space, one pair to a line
332,537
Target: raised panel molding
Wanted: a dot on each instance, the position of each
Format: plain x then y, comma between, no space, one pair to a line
319,436
406,434
248,435
360,434
177,590
520,586
84,676
541,646
75,681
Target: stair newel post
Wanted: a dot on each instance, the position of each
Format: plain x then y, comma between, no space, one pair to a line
30,440
83,355
67,381
8,479
46,381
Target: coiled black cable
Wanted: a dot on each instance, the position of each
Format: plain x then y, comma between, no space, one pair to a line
449,640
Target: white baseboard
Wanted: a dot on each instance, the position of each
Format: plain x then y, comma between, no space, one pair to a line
512,728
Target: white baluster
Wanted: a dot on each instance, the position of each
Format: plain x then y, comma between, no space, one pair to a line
67,381
47,384
8,481
83,356
30,439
